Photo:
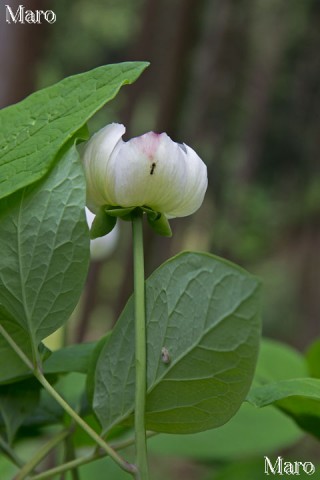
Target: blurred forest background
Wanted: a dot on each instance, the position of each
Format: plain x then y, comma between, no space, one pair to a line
238,80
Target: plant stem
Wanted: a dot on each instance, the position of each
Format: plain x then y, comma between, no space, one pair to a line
47,386
78,462
71,465
41,454
140,347
70,455
7,450
112,453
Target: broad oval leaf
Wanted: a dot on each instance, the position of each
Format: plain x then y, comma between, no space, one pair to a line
34,130
229,442
297,397
205,312
44,245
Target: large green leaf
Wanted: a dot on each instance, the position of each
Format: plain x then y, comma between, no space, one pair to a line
276,361
44,245
205,312
298,397
250,432
33,131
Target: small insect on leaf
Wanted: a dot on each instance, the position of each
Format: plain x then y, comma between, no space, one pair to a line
165,357
153,166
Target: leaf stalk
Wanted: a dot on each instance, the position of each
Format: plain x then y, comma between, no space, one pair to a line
130,468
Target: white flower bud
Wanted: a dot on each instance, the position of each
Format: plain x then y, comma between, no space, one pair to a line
150,170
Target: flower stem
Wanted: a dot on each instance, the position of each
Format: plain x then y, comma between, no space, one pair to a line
140,347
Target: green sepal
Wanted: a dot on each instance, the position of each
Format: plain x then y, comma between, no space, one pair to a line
152,214
123,213
102,224
159,223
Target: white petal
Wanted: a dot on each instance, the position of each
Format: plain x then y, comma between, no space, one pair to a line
96,158
195,185
102,247
89,217
148,170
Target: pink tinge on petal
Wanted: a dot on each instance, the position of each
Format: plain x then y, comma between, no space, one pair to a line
148,143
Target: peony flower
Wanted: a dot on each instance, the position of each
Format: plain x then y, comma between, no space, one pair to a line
147,171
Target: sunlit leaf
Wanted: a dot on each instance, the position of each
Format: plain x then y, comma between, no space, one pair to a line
33,131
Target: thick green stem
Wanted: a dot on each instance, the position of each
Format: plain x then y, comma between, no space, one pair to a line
66,407
140,348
